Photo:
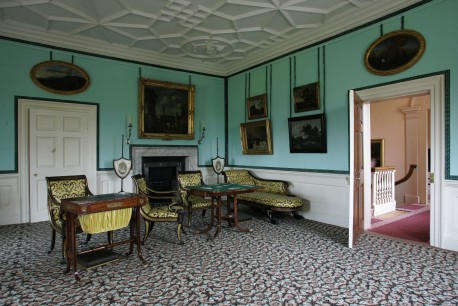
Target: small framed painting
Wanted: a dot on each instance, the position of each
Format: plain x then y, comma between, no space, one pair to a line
306,97
307,134
257,107
377,153
256,137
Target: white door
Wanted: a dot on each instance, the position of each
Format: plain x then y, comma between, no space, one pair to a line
57,146
356,179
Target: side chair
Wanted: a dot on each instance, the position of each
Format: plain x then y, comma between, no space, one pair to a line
65,187
192,202
161,206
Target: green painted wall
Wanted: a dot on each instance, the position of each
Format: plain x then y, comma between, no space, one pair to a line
343,69
114,87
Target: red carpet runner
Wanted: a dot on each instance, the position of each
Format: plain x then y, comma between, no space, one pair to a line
414,226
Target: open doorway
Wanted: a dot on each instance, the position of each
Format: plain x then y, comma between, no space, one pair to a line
400,142
434,86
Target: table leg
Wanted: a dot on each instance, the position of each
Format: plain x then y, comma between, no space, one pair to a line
71,244
210,225
137,225
236,217
218,212
132,227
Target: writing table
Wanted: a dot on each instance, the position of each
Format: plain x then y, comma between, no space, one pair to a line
75,207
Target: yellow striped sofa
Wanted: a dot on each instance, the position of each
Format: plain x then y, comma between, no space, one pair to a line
274,196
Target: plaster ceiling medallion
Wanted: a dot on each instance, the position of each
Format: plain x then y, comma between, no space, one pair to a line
203,48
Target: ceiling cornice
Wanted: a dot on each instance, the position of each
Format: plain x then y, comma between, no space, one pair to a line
309,37
349,22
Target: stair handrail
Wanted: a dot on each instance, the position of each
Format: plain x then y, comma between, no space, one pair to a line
407,176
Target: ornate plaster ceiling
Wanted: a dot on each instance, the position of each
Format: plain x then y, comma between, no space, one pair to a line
211,36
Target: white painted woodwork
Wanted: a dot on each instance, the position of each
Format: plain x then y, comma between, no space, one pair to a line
54,139
216,37
57,147
412,116
383,190
434,86
10,210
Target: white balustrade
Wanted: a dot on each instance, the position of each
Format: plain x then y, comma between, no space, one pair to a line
383,192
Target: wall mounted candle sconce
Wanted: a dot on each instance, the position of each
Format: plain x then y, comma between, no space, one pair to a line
202,133
129,126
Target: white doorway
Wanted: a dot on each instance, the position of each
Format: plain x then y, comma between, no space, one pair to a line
55,138
434,86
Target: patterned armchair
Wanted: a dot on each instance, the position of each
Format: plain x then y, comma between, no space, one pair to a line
192,202
274,196
64,187
161,206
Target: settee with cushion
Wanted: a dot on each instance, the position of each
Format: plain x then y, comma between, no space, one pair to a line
273,197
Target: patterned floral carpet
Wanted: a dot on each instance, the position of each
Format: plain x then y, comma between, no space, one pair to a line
297,262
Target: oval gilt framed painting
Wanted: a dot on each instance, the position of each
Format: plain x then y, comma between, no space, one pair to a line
60,77
394,52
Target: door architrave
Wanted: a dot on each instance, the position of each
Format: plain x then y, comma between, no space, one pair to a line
434,86
24,106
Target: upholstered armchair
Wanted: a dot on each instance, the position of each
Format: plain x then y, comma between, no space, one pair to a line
192,202
59,188
161,206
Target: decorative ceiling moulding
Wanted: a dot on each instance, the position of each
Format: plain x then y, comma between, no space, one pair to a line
223,20
319,35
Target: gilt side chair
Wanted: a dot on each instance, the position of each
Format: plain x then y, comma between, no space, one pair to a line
65,187
161,206
191,202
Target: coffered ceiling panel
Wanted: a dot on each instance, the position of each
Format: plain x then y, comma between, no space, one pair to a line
211,36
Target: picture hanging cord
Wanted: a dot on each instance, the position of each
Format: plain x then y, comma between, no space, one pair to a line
266,85
402,22
190,80
245,95
318,61
270,91
294,71
72,59
290,88
50,55
381,30
324,79
249,84
140,72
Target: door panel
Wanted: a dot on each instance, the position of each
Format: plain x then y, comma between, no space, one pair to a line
356,179
56,147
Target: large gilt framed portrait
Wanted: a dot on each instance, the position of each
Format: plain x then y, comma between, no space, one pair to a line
256,137
166,110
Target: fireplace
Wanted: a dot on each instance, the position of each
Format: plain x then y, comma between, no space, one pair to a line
159,164
160,172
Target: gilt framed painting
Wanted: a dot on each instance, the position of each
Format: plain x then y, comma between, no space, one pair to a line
60,77
394,52
166,110
256,137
